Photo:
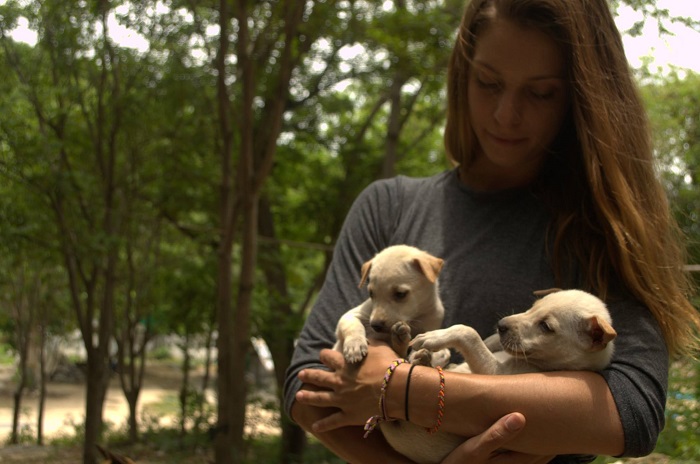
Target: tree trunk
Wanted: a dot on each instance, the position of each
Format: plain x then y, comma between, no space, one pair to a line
281,344
241,329
131,370
184,389
133,399
95,391
42,386
23,309
17,405
393,131
223,436
207,374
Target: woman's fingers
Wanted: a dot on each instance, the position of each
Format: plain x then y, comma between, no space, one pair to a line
319,398
500,433
332,359
485,447
319,377
331,422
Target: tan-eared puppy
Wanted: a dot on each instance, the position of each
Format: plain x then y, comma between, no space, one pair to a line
564,330
403,302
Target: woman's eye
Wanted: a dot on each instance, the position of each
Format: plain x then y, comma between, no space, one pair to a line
541,94
488,84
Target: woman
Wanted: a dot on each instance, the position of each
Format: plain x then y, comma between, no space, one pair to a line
554,186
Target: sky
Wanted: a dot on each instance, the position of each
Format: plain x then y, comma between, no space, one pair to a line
681,49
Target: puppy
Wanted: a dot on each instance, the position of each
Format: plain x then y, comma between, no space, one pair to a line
403,302
564,330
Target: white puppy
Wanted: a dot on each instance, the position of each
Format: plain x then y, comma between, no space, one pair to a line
403,302
565,330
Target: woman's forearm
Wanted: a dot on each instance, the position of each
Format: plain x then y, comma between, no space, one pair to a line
567,412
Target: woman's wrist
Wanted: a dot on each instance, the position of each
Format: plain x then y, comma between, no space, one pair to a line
396,391
423,394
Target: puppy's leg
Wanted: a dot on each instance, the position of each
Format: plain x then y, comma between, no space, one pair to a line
400,337
465,340
493,343
351,333
425,357
422,357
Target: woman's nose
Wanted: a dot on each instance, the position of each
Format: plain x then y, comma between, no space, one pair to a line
508,110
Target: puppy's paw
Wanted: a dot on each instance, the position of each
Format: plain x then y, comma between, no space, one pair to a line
422,357
354,350
441,358
400,336
433,341
401,332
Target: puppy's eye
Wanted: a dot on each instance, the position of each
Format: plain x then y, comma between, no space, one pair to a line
400,295
545,327
371,293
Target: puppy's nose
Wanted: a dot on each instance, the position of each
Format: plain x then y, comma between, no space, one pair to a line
502,328
378,327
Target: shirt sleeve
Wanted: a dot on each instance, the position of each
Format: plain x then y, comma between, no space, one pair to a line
638,376
367,230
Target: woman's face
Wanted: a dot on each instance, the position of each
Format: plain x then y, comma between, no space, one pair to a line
518,100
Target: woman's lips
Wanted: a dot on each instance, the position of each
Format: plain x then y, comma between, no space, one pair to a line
507,140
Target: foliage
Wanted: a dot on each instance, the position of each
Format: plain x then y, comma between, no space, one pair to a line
7,354
651,9
680,437
674,110
365,100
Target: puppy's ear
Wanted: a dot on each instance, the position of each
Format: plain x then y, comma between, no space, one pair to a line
600,332
430,266
365,272
541,293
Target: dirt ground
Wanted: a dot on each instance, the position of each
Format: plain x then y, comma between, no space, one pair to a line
65,406
66,401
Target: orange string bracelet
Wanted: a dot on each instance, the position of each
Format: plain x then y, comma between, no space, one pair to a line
441,403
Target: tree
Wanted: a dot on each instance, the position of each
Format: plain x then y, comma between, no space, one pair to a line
78,87
271,42
672,102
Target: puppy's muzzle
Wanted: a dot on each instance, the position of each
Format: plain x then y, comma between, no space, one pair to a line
509,338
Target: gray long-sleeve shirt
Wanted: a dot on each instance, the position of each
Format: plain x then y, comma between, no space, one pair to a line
495,256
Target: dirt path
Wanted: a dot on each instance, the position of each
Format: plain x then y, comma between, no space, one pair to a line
65,406
65,403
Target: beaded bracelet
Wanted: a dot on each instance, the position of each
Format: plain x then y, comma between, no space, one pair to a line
441,403
373,421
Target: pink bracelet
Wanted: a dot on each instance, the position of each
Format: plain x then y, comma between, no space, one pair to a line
373,421
441,403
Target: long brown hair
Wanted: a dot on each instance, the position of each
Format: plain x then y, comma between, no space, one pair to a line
613,222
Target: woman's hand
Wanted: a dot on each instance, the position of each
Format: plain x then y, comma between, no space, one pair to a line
352,389
489,447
